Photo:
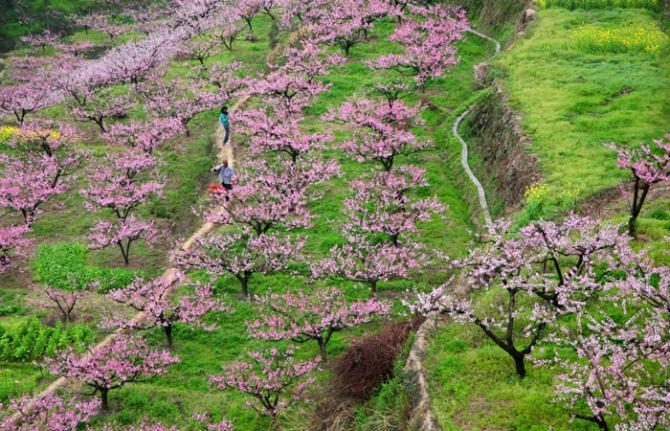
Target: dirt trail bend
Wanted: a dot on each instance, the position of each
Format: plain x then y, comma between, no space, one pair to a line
169,275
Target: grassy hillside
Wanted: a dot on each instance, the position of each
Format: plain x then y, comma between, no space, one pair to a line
579,79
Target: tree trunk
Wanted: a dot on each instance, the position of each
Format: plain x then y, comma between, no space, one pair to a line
101,124
46,16
322,350
632,229
598,420
168,335
124,252
373,288
103,398
641,189
519,364
244,281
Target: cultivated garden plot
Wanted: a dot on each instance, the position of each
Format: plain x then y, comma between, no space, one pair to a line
168,264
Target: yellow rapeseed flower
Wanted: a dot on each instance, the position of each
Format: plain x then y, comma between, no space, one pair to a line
599,4
6,132
631,39
535,193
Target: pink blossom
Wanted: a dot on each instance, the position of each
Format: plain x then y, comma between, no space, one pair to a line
163,307
22,99
124,360
547,271
145,136
427,42
364,261
48,413
648,169
122,234
44,39
266,198
382,130
267,379
25,185
241,255
304,316
13,246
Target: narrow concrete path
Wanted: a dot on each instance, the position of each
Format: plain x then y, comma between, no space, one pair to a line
489,38
464,162
464,146
414,373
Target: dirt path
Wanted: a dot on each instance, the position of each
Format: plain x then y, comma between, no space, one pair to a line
225,152
464,146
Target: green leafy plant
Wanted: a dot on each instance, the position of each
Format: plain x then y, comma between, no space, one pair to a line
63,266
30,340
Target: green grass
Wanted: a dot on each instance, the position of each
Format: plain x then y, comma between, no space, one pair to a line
655,5
572,102
474,387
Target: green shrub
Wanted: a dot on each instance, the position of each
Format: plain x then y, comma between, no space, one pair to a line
659,214
30,340
63,266
7,310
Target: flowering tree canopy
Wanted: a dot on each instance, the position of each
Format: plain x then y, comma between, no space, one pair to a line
381,203
154,299
13,246
44,39
648,169
382,130
121,185
303,316
241,254
145,136
124,360
427,42
548,271
618,372
47,413
267,378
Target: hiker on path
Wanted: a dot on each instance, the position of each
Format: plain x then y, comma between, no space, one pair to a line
226,175
223,117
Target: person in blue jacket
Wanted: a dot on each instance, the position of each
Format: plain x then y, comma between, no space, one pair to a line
223,117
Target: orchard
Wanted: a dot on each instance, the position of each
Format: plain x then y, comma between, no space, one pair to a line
249,214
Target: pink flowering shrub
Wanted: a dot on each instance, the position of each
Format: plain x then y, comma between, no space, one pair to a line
273,378
302,316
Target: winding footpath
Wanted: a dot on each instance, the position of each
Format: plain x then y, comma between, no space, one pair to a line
415,378
226,152
464,146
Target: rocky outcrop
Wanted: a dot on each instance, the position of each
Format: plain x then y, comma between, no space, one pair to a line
502,147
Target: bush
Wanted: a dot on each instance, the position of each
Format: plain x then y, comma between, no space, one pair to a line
659,214
64,267
370,360
29,340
